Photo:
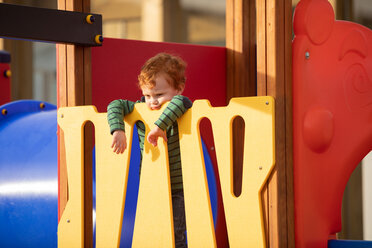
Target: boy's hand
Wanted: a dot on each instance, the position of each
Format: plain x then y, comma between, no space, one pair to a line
119,141
154,134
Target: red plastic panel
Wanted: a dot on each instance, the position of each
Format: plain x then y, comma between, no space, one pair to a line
4,84
116,65
332,115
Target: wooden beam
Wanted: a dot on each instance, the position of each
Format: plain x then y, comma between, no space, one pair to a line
274,78
53,25
241,70
241,50
74,88
163,20
258,41
153,22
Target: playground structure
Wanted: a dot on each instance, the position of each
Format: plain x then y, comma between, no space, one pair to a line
320,112
245,228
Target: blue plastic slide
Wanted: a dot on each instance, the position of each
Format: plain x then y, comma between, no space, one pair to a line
28,175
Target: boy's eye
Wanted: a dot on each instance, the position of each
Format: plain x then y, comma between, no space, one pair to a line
159,94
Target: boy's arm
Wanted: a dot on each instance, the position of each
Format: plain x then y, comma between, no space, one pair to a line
175,109
119,141
116,111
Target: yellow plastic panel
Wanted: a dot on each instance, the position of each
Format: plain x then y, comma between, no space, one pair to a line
244,216
111,183
111,179
153,224
70,227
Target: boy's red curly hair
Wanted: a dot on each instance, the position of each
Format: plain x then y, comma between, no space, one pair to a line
173,66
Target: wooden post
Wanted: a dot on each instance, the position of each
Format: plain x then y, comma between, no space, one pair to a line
163,20
274,78
258,38
241,69
74,89
241,48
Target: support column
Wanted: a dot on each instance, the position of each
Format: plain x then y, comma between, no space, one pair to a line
241,48
74,89
274,78
21,64
241,69
259,62
163,20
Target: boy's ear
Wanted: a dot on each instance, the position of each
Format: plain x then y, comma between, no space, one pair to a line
181,88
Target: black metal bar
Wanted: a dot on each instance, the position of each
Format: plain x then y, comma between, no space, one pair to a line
51,25
4,57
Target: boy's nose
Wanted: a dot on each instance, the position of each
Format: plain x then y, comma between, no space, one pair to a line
154,101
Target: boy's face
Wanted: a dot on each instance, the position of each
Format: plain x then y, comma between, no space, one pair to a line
162,92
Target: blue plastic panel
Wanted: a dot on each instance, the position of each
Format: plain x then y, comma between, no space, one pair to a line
349,244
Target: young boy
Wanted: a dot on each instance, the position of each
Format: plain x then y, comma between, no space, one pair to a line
162,79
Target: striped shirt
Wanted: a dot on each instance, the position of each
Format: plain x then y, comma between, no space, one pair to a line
179,104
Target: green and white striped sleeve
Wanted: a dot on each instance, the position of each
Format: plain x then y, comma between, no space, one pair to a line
175,109
116,111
